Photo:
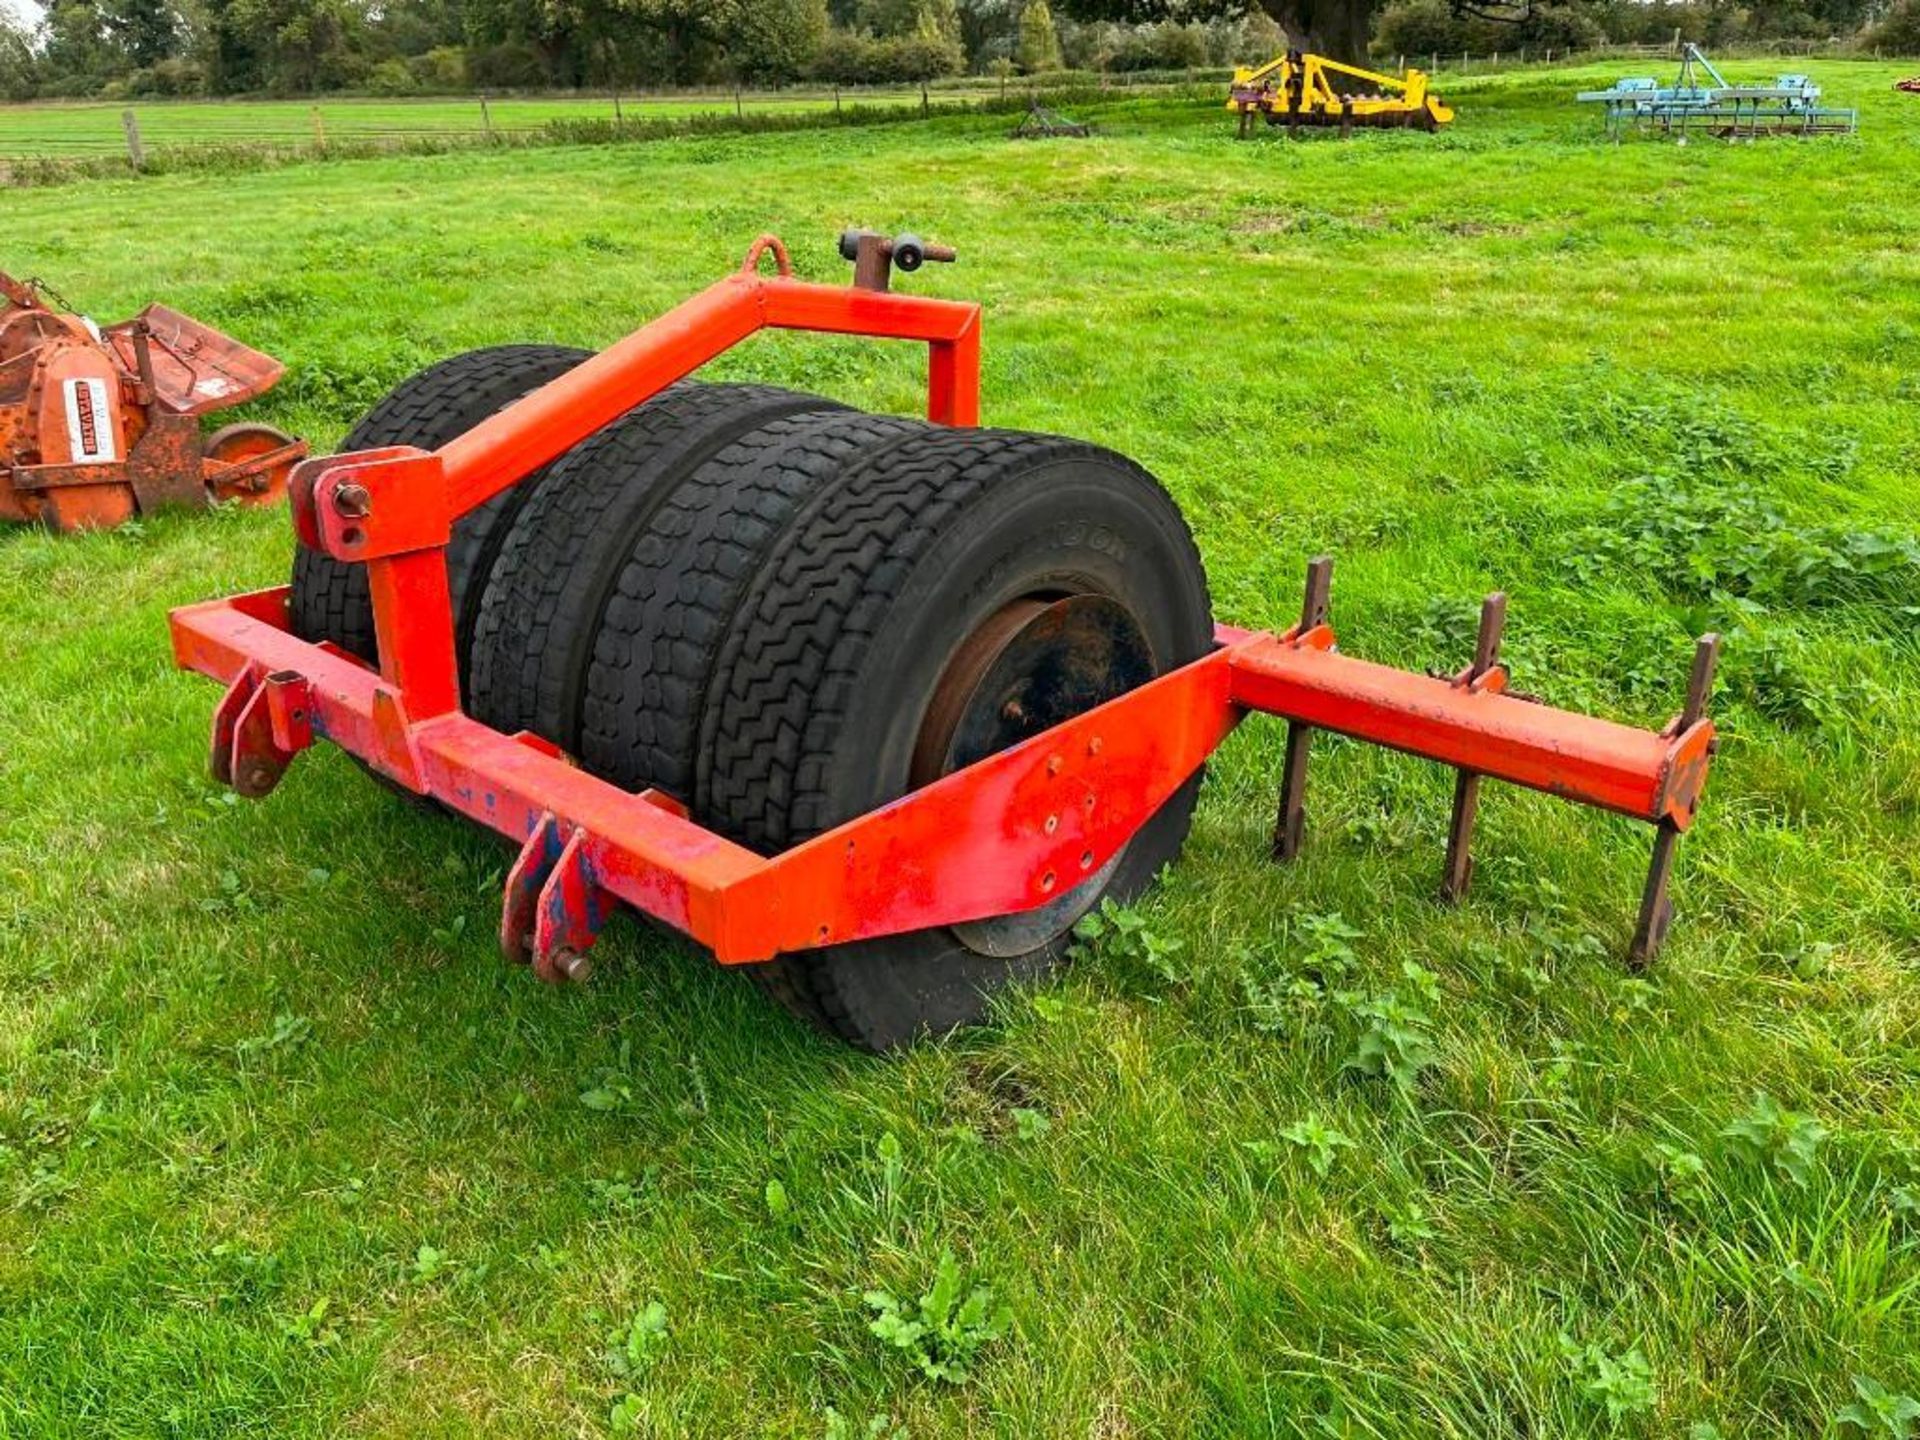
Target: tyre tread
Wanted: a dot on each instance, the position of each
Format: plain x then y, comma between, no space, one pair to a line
788,671
676,599
558,566
331,599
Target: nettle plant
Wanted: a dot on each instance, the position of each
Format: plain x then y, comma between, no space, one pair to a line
1715,540
1395,1040
1878,1411
1119,932
1321,1141
1784,1140
1621,1384
1729,546
943,1332
1396,1032
1325,961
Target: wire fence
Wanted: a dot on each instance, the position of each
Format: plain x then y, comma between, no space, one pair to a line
53,141
81,130
144,133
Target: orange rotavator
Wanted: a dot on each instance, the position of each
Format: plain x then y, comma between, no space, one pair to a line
99,425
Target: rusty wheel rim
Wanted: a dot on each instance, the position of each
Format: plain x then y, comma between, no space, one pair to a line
1029,666
234,446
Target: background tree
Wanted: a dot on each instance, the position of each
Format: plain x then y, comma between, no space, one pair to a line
773,41
144,31
1039,44
931,19
1339,28
74,50
179,47
290,47
764,40
1898,30
987,30
19,61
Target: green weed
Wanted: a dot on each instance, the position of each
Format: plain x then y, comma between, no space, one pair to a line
429,1264
878,1427
945,1331
1620,1384
312,1327
1321,1142
1396,1032
639,1342
1121,935
1785,1141
1731,541
1877,1411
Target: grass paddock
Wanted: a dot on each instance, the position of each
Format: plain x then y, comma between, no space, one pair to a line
286,1150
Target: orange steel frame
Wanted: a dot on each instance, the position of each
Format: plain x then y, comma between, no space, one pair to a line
1003,835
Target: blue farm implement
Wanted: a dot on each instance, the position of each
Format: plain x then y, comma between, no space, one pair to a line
1703,100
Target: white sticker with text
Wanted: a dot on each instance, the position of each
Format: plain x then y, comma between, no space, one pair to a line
89,422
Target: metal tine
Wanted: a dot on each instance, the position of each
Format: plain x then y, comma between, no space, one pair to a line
1466,786
1706,656
1289,828
1656,908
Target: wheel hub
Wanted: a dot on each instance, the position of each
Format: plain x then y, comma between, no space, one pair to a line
249,463
1030,666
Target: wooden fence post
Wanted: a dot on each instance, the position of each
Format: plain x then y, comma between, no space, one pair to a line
136,152
319,129
926,104
618,118
486,116
836,98
739,110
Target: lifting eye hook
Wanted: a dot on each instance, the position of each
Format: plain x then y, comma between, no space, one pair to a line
768,245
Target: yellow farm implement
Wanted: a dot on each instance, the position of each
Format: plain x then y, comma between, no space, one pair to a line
1297,89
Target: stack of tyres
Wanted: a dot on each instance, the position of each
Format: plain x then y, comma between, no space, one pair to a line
785,613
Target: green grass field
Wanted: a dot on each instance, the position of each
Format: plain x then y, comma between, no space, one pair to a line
287,1150
71,129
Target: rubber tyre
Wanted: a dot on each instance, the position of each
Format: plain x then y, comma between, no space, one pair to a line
826,675
533,641
675,599
330,599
